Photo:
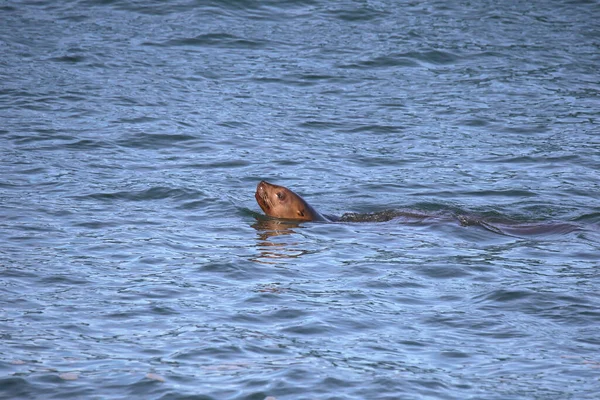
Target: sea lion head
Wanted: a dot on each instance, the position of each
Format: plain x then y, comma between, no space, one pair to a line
281,202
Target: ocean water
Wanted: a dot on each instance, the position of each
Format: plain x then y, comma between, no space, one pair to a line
135,262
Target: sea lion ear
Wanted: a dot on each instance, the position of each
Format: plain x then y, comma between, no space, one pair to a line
301,213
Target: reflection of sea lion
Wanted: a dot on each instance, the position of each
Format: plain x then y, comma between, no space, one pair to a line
281,202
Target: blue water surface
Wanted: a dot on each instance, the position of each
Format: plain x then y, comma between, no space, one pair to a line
135,262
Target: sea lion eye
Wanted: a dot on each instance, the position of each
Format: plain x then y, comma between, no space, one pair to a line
280,195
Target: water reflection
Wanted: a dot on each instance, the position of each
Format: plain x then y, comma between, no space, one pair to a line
270,250
274,227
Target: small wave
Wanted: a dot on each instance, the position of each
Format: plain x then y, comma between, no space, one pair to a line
358,14
592,218
212,40
409,59
69,59
154,193
504,296
154,140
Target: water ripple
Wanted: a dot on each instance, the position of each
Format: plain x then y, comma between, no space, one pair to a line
461,138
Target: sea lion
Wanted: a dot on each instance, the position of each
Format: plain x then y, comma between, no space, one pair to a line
281,202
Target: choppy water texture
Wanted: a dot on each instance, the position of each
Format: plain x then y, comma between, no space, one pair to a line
134,261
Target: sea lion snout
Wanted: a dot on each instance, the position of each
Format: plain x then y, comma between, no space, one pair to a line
262,185
261,196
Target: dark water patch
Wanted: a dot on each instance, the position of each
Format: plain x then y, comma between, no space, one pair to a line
358,14
546,161
383,62
15,387
316,124
377,129
303,80
222,40
380,160
27,171
592,219
519,130
70,59
135,7
504,296
154,140
43,135
529,229
474,122
28,231
510,193
408,59
192,205
78,18
99,225
219,164
164,311
442,272
63,280
89,144
234,124
242,9
319,78
151,194
435,57
570,311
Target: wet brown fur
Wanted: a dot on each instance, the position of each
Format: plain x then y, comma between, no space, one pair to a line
280,202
